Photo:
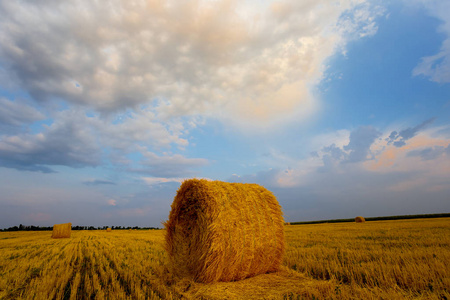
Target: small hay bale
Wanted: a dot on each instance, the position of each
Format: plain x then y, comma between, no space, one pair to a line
62,231
287,223
360,219
219,231
108,229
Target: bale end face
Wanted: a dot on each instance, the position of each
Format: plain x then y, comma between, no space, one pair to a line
220,231
61,231
360,219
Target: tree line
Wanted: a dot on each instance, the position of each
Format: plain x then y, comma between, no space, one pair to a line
44,228
402,217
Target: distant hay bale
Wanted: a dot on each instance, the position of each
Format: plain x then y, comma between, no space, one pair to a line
61,231
360,219
287,223
219,231
108,229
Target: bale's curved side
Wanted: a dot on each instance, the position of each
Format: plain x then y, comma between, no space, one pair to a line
360,219
220,231
61,231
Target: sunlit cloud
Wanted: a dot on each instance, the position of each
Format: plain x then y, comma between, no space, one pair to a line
219,59
112,202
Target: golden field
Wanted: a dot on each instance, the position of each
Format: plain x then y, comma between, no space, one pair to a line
403,259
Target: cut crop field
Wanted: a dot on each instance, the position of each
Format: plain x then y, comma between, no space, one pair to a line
403,259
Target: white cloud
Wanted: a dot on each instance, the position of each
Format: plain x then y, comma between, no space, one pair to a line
140,127
159,180
339,137
75,139
216,58
437,66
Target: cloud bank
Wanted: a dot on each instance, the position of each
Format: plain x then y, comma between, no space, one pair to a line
218,58
125,82
364,173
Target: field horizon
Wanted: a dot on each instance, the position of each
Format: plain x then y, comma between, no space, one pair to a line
367,219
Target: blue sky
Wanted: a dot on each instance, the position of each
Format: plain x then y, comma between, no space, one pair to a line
339,108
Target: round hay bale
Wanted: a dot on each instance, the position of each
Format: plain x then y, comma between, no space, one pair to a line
61,231
219,231
360,219
108,229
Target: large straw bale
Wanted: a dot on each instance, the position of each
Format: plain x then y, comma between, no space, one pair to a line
108,229
220,231
360,219
61,231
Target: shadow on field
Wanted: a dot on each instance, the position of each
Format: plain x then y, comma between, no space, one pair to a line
284,284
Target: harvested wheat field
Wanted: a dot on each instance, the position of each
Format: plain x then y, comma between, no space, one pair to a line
403,259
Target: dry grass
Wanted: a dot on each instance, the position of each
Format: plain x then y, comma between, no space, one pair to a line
108,229
397,259
61,231
405,259
219,231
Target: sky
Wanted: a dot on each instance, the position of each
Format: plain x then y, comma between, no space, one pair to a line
340,108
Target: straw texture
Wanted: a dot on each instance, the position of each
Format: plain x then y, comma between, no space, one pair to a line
108,229
61,231
220,231
360,219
